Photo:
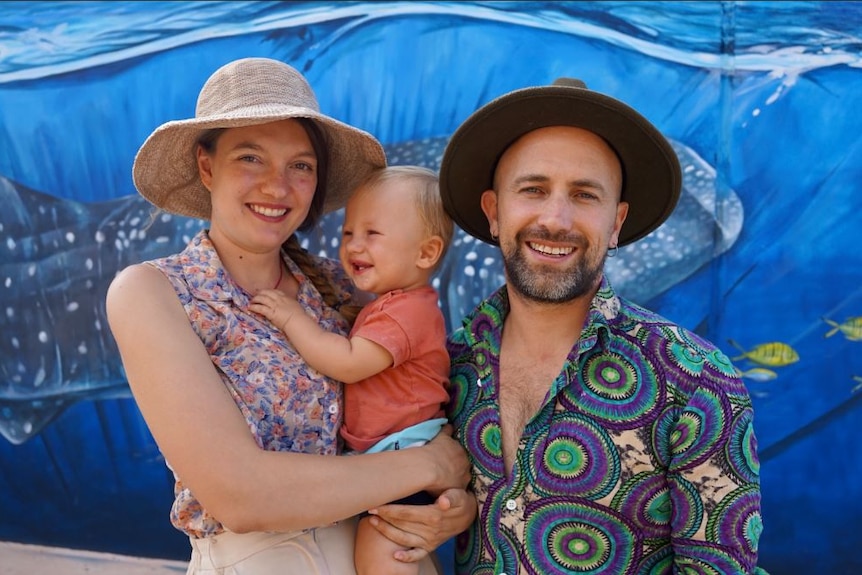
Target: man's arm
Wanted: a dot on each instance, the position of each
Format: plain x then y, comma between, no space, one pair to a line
713,477
423,528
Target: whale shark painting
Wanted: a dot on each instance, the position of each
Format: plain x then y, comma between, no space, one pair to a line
762,102
57,258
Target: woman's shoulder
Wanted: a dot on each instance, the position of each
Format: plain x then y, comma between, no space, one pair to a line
135,292
136,280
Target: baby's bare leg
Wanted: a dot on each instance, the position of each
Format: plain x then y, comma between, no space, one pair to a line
373,553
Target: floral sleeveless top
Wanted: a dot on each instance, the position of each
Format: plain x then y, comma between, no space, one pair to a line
288,405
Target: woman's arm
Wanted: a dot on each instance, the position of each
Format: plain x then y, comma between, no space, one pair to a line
206,440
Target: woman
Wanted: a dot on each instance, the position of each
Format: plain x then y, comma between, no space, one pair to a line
239,417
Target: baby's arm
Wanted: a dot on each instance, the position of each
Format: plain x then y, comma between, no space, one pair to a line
345,359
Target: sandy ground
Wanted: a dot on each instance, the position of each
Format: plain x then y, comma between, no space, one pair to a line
19,559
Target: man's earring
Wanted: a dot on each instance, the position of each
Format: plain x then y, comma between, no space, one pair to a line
612,251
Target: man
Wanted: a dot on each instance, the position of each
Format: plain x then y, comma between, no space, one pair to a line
604,438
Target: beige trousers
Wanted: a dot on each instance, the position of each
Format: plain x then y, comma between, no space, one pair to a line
322,551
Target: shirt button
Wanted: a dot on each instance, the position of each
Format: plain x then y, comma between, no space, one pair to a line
333,409
511,505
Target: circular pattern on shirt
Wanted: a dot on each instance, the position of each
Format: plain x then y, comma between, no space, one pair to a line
683,356
702,560
721,362
636,314
499,542
645,498
467,547
483,360
489,516
619,385
662,430
736,521
659,562
714,357
506,554
503,489
480,433
700,428
463,392
578,538
575,457
742,448
483,325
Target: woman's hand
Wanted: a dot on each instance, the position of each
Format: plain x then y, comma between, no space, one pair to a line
450,460
423,528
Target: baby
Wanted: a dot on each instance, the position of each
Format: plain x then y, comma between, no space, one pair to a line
394,361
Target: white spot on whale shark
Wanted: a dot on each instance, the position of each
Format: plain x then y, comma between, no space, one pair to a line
58,256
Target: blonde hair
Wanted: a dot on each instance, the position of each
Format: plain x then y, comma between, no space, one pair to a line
428,201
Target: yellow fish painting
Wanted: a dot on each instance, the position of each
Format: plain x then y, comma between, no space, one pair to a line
760,374
772,354
852,328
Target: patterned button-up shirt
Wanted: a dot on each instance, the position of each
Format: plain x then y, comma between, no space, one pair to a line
641,460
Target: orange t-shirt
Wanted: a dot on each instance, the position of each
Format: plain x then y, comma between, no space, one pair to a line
411,326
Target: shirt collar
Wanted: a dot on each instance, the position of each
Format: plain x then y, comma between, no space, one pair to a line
207,277
485,322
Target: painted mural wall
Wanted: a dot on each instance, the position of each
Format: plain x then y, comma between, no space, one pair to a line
761,101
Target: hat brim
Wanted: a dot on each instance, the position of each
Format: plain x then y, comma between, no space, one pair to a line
651,173
165,170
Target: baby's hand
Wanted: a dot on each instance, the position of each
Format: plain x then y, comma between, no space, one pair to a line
276,306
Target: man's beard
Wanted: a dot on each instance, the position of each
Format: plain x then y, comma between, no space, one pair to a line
543,285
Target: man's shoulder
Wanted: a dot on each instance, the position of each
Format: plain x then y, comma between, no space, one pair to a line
648,323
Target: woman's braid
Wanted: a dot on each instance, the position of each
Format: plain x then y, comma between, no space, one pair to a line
302,258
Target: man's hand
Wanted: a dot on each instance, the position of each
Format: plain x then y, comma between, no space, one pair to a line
423,528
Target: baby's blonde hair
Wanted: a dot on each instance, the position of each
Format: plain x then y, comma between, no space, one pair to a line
437,222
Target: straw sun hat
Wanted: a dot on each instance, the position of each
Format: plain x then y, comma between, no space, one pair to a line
651,172
246,92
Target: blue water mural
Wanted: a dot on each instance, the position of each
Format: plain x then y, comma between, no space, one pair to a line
760,100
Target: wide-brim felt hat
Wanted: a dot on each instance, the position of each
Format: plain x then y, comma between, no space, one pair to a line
247,92
651,172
